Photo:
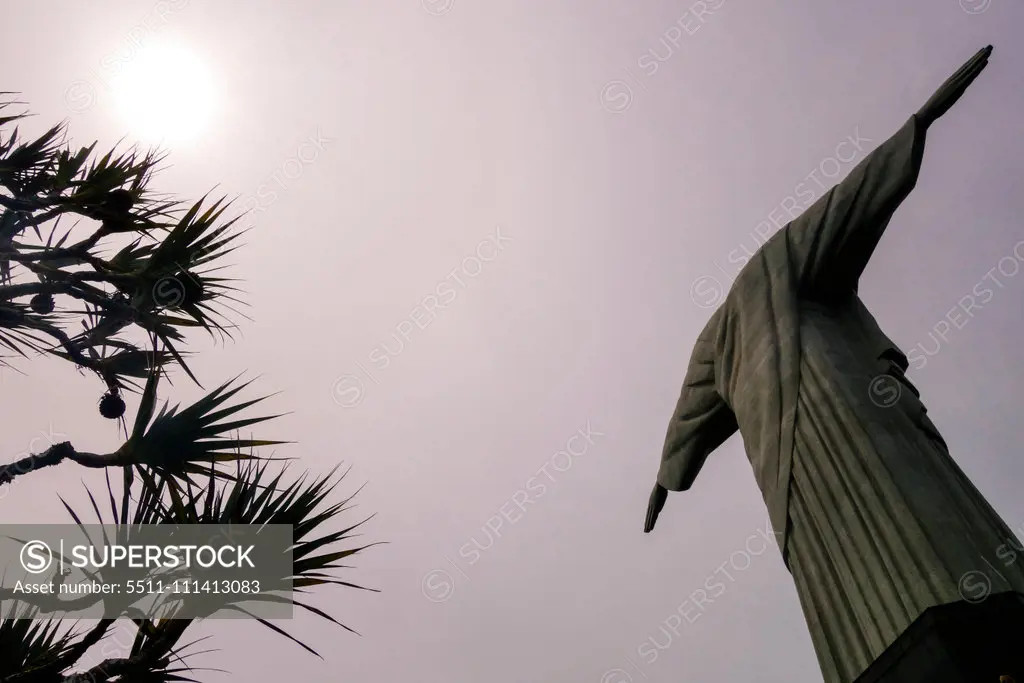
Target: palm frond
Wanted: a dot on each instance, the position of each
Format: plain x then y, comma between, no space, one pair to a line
83,235
253,497
182,444
18,329
30,643
178,265
45,181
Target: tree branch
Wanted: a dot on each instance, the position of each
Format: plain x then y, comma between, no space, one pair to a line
54,455
94,636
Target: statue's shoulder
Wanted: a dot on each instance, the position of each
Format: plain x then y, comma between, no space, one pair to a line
713,327
769,260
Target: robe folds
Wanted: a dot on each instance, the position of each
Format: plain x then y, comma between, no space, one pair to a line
875,521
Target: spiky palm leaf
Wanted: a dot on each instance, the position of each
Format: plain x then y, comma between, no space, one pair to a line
22,164
102,329
252,496
192,244
46,183
122,367
19,328
147,507
150,658
250,499
43,182
27,642
178,445
169,666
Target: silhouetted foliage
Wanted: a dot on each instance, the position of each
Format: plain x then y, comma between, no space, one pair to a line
69,289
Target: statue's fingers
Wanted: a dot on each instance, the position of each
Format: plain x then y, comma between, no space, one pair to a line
973,75
979,63
969,72
981,56
957,87
652,515
973,65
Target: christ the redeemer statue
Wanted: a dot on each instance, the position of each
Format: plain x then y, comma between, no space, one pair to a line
875,520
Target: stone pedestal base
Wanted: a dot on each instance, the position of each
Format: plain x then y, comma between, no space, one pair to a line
961,642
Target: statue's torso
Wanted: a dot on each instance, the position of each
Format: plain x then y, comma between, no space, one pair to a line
865,362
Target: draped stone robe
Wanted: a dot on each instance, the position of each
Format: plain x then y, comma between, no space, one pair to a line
876,522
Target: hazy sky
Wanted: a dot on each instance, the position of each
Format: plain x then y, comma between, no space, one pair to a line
564,185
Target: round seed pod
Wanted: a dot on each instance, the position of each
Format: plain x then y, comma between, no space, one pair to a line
119,201
112,406
42,304
177,291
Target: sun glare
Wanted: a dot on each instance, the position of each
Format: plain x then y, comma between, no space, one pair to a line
164,94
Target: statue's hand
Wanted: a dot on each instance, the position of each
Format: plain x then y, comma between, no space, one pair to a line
658,497
954,87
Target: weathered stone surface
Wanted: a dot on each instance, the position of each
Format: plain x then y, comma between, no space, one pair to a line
876,521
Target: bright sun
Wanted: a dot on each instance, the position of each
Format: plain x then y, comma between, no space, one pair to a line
165,94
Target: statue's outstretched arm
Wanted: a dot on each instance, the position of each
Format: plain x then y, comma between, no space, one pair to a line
835,237
701,422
